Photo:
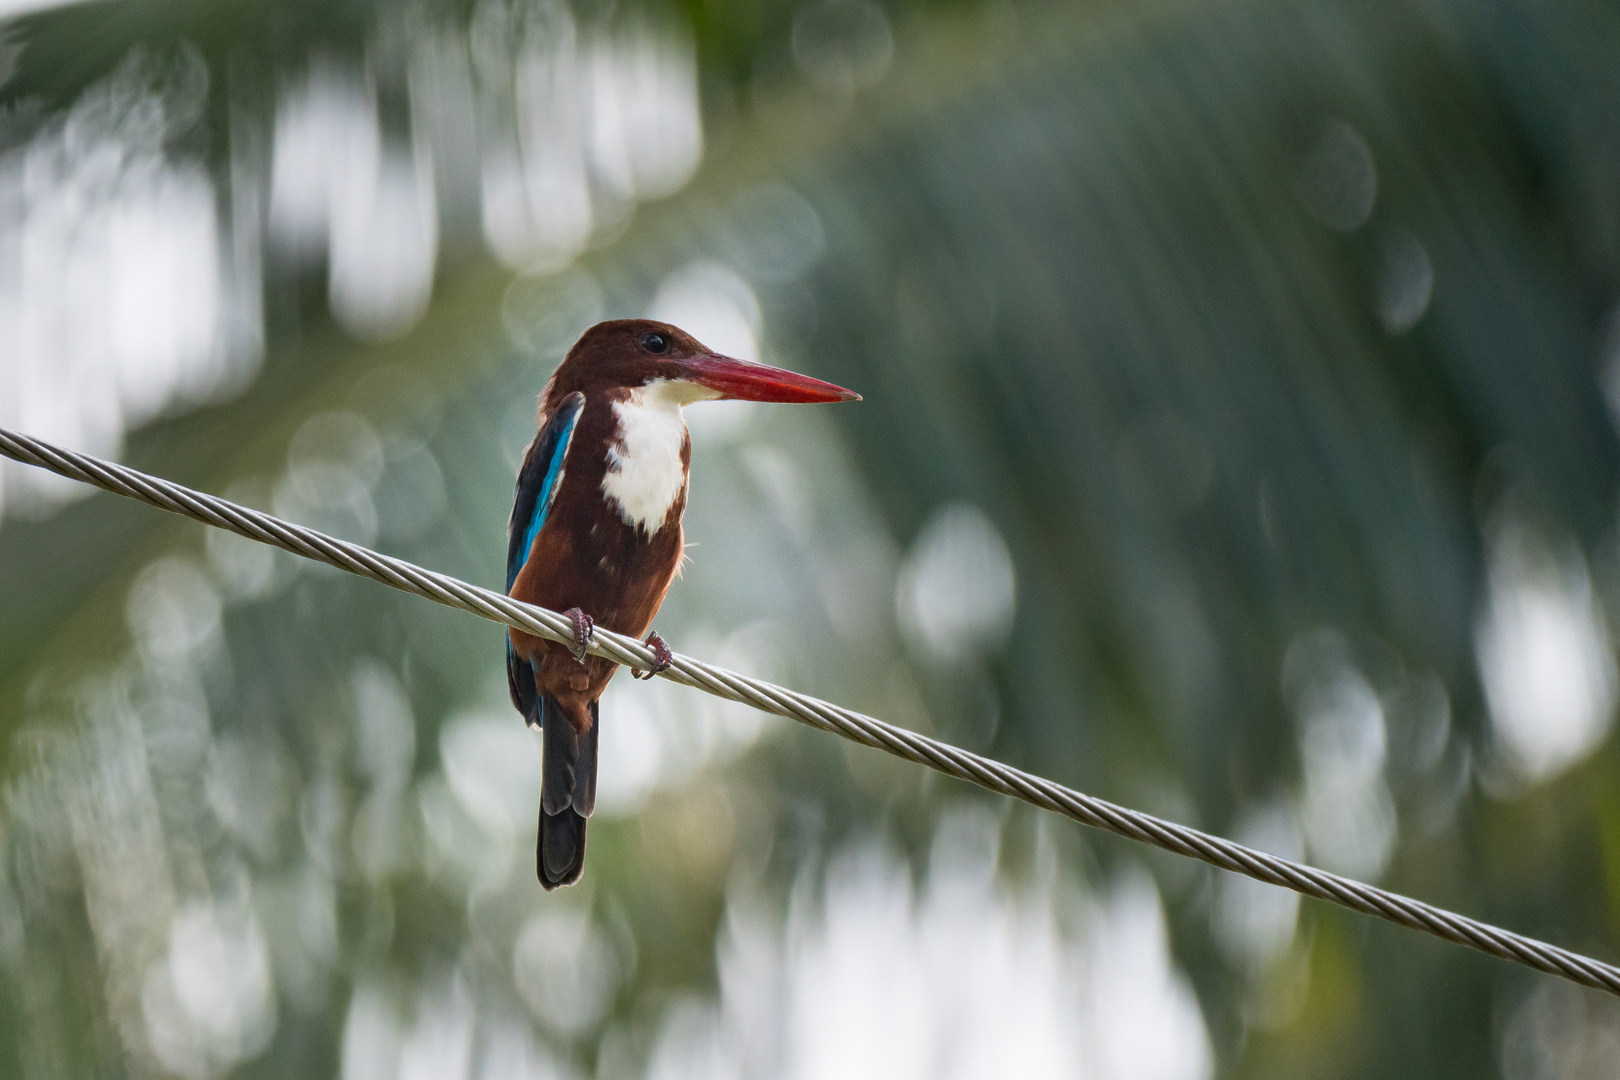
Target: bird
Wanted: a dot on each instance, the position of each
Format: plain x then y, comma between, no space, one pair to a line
595,532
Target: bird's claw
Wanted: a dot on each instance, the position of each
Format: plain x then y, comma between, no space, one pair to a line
584,627
662,657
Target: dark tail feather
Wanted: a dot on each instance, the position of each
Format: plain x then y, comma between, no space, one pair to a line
567,797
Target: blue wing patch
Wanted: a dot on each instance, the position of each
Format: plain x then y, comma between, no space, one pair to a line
536,491
537,483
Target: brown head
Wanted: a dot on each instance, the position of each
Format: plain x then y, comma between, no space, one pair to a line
632,353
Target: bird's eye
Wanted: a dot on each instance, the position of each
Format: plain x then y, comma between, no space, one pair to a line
654,343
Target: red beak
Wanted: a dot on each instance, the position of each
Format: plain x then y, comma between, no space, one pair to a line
744,381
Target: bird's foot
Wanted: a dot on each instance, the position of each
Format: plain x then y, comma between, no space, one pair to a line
662,657
584,626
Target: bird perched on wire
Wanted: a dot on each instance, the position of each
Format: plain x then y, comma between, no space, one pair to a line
595,533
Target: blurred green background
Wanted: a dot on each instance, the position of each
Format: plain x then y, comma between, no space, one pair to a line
1238,444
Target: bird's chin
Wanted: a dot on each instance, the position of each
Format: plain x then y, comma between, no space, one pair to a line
681,392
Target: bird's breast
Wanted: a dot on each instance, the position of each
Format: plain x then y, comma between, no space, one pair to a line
646,463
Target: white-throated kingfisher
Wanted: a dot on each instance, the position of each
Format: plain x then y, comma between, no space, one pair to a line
595,533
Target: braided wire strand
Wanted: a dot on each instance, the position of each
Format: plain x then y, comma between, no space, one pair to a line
951,760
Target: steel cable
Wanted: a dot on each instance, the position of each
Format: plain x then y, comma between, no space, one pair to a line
942,757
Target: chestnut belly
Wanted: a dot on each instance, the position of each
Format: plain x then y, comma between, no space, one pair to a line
614,573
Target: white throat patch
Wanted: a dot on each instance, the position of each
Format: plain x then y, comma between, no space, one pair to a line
644,475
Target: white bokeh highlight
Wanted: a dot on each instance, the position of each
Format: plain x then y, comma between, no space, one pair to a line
957,591
339,188
1254,923
588,125
872,976
1346,808
209,1002
116,305
1545,657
